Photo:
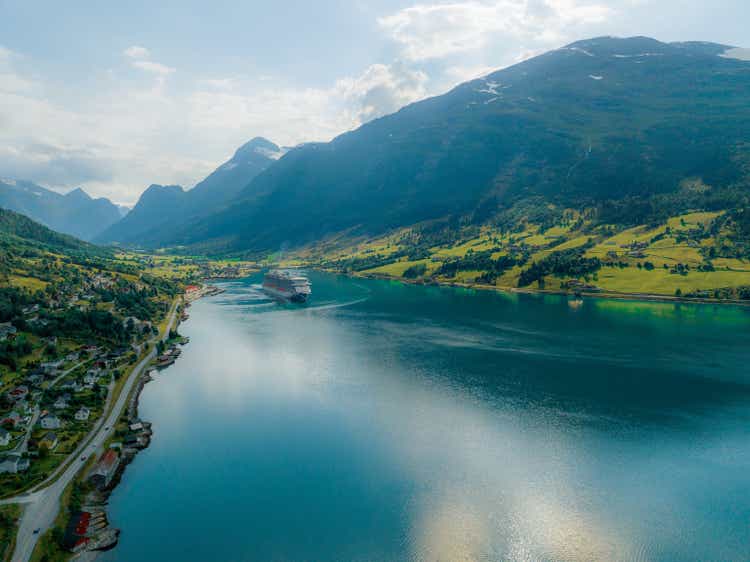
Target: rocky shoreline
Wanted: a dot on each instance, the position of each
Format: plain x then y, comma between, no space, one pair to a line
136,439
92,521
89,529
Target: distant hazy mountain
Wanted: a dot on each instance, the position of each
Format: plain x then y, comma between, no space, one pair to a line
16,225
75,213
158,206
161,210
601,119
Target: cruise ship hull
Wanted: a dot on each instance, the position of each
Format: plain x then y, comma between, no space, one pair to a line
285,295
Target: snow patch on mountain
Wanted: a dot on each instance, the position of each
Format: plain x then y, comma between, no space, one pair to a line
578,50
639,55
268,153
491,88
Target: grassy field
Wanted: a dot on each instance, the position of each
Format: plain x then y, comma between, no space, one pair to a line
659,259
9,515
397,269
662,282
27,282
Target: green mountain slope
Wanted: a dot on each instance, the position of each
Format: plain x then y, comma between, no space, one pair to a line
164,209
17,227
598,121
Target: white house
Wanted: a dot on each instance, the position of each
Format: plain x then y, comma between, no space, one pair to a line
51,366
83,414
137,324
91,377
4,437
36,380
30,309
50,421
61,403
71,384
13,464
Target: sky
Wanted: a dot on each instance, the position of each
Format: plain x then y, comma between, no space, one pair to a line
115,96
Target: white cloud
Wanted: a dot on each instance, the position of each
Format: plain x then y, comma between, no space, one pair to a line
153,67
382,89
10,81
284,114
136,52
429,31
57,165
13,83
129,132
138,56
459,73
289,115
737,53
114,141
224,84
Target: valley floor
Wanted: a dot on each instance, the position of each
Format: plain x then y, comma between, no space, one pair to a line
690,256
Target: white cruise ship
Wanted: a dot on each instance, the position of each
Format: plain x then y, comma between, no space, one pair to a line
282,284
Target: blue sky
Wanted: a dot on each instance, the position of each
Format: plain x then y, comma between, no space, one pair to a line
114,96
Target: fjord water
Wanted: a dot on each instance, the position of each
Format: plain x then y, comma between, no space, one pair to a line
392,422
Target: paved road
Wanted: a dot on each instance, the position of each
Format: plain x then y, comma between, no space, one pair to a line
24,442
70,370
43,504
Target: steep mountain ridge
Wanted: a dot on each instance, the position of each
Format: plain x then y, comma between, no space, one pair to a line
164,209
600,119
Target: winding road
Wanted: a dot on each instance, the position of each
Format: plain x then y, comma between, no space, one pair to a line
42,504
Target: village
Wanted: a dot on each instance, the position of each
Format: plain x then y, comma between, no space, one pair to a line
88,527
63,402
65,345
53,407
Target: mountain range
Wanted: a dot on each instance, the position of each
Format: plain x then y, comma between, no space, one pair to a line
619,125
75,213
163,209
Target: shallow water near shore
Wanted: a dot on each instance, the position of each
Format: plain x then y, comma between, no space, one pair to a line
391,422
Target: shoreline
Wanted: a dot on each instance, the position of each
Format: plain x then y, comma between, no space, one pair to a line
142,430
642,297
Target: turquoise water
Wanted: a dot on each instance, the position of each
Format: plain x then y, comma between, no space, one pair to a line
392,422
